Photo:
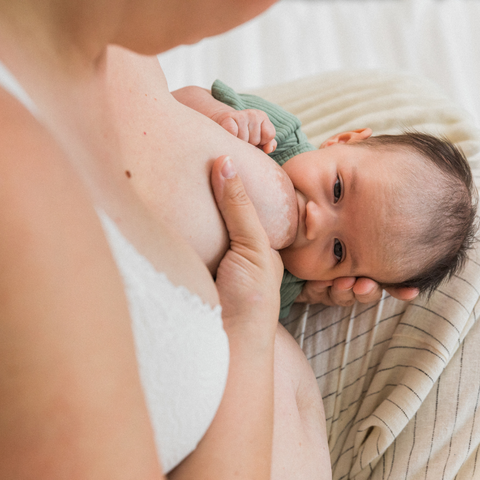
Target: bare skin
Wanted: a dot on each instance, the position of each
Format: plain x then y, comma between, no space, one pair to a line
160,180
71,400
65,327
180,176
339,287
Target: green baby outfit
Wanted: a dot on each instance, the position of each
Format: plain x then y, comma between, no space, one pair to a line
291,141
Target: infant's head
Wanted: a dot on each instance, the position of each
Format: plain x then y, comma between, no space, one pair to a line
399,209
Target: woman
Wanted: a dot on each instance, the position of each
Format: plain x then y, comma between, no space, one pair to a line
72,404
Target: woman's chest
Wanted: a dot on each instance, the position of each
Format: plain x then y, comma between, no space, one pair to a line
169,160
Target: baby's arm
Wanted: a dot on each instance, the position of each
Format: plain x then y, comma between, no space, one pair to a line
251,125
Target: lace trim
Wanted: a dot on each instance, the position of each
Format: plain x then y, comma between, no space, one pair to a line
121,247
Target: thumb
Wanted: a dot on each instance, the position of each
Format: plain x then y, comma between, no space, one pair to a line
237,210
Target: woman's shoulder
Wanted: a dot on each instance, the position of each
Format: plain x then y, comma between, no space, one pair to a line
48,220
37,180
62,302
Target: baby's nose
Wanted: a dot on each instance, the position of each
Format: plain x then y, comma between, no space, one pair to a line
319,220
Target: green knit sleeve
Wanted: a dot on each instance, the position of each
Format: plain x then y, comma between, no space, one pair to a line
289,291
290,139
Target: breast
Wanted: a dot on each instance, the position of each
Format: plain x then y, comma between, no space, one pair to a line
174,150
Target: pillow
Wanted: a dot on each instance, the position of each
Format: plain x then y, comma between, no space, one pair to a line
387,102
379,366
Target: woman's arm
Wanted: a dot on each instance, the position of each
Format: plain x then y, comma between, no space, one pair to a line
238,443
71,404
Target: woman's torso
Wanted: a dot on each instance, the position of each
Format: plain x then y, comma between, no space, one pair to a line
167,153
182,349
162,205
170,152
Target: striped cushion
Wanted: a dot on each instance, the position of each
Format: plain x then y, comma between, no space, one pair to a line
400,381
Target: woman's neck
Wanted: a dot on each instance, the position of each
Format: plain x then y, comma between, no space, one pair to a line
68,34
52,52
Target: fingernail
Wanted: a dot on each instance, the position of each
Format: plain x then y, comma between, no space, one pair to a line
228,170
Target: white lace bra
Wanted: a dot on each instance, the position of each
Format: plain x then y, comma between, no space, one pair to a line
182,349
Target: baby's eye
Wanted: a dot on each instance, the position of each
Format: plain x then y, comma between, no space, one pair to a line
338,250
337,190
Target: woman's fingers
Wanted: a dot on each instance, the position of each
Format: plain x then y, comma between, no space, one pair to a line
249,275
342,291
405,293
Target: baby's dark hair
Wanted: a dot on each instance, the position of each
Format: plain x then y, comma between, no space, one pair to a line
451,227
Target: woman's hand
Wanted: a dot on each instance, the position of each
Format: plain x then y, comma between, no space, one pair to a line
238,443
346,291
249,276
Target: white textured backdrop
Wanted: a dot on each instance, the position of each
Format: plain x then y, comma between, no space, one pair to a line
438,39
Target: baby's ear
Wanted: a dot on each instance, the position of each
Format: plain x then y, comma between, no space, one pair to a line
348,137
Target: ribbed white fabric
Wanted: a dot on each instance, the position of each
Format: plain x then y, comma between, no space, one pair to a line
293,39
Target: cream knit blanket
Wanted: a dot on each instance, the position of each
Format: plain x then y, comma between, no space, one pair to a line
400,381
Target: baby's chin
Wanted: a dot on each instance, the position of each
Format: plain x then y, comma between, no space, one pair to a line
291,263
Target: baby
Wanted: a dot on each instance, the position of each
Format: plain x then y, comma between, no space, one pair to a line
399,209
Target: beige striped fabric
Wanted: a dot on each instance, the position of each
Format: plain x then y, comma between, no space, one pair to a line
400,381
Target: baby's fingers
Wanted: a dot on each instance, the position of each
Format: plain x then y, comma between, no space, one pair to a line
405,293
270,146
236,123
230,125
243,126
257,129
254,129
315,291
268,133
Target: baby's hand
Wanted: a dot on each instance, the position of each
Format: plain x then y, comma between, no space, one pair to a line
252,126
